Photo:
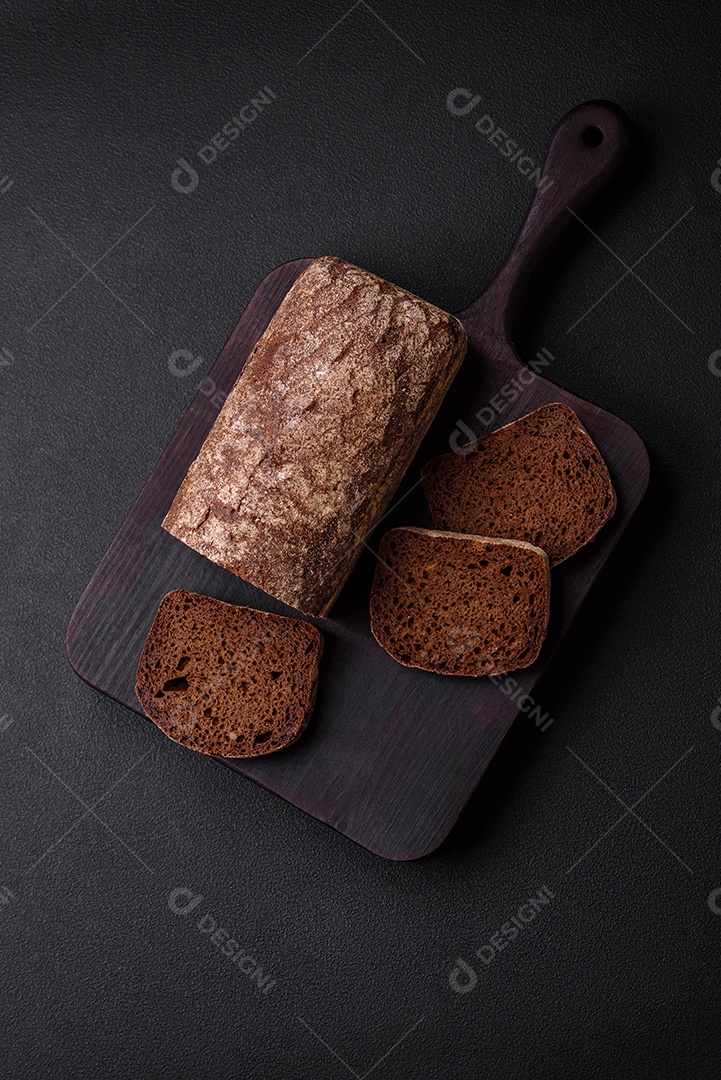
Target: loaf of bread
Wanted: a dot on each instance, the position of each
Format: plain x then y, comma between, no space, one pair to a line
540,479
460,605
317,433
228,680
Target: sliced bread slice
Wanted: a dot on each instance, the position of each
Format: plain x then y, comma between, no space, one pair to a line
539,479
459,604
228,680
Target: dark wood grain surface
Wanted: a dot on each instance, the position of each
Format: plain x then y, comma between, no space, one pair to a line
392,755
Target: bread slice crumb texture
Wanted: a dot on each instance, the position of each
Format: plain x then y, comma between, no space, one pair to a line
457,604
540,479
228,680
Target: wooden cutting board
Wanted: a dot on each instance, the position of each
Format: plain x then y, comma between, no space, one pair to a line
391,755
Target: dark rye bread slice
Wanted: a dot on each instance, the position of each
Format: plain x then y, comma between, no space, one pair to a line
539,479
228,680
458,604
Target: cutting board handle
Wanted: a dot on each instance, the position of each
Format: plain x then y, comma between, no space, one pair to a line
586,148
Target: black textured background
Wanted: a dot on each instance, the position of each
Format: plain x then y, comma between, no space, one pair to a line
358,156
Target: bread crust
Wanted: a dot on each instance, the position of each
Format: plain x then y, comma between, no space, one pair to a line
228,680
317,433
457,604
540,478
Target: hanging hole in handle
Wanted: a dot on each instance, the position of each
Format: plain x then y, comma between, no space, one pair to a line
592,136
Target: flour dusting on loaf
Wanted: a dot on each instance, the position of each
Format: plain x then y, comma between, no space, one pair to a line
317,432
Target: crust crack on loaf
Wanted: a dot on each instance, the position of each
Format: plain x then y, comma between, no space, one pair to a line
317,433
